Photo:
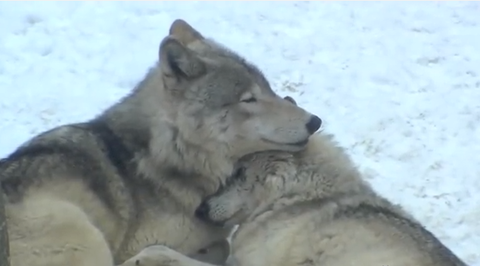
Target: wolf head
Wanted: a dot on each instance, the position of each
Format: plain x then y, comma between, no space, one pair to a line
260,178
218,101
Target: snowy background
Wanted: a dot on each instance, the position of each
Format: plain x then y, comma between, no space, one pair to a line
398,83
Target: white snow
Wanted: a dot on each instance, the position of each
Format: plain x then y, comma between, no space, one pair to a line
397,82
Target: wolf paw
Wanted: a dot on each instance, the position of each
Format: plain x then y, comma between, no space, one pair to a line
156,255
216,253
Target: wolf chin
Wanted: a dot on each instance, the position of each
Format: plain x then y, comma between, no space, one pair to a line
98,192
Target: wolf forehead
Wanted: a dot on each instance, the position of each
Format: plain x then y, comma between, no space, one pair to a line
229,67
264,163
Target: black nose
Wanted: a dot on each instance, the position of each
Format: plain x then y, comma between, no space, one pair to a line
314,124
202,211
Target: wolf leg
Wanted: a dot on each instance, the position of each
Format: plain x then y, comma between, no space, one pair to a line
158,255
52,232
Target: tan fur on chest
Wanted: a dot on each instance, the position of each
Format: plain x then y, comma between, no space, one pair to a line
271,241
171,221
163,220
179,229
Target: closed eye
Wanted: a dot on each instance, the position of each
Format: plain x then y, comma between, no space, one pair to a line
239,172
249,100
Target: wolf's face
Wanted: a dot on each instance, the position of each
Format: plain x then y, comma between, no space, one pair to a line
261,178
219,101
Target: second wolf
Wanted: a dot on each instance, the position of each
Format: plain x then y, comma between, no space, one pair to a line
310,208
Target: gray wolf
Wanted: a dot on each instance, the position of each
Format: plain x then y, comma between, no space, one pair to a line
310,208
98,192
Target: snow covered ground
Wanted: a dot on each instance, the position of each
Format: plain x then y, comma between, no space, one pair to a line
398,83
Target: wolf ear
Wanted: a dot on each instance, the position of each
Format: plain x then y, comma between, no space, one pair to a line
183,32
275,182
290,99
178,61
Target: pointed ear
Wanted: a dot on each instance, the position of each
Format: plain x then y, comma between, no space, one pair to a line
178,61
274,182
183,32
290,99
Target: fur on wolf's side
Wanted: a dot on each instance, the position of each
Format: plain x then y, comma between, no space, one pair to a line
310,208
98,192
